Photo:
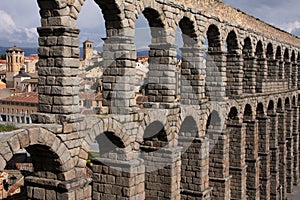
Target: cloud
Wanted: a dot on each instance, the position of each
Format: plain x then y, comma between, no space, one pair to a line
282,14
22,36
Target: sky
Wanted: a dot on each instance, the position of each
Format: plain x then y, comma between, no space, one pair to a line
19,19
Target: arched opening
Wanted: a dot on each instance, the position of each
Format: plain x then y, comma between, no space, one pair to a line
252,159
261,66
279,61
160,162
287,67
142,42
161,76
218,157
189,63
214,68
294,74
289,144
192,146
274,154
108,142
298,70
234,70
263,151
249,67
281,118
236,133
270,59
34,160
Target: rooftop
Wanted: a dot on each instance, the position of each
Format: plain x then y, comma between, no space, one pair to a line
29,97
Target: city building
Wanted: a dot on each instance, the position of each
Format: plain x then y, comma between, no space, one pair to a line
14,62
18,108
88,49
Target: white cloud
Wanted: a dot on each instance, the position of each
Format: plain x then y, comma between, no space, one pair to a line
7,24
290,27
11,34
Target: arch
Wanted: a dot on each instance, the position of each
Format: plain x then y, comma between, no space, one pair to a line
249,65
187,67
279,105
108,142
271,107
214,68
287,103
261,66
278,55
188,29
213,37
270,52
294,70
189,143
232,42
278,58
247,48
286,55
248,114
270,62
189,125
155,23
294,101
233,66
213,120
293,56
233,115
48,152
260,110
259,51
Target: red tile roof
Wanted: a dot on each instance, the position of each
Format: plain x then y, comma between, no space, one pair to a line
29,97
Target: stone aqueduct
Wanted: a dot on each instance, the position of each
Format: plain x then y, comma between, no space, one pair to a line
232,134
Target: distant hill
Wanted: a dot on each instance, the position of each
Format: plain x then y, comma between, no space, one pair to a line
34,50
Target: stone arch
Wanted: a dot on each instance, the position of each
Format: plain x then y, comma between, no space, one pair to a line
294,70
218,155
234,67
191,61
287,103
287,66
109,136
261,65
158,116
214,38
260,110
278,57
48,152
270,51
248,113
249,67
215,71
271,107
191,145
155,20
279,105
236,134
294,102
270,61
233,115
188,29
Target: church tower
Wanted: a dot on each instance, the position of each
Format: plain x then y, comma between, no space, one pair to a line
14,62
88,48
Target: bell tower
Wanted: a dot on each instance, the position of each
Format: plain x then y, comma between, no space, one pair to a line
88,48
14,62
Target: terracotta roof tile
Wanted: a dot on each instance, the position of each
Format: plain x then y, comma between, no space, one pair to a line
29,97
